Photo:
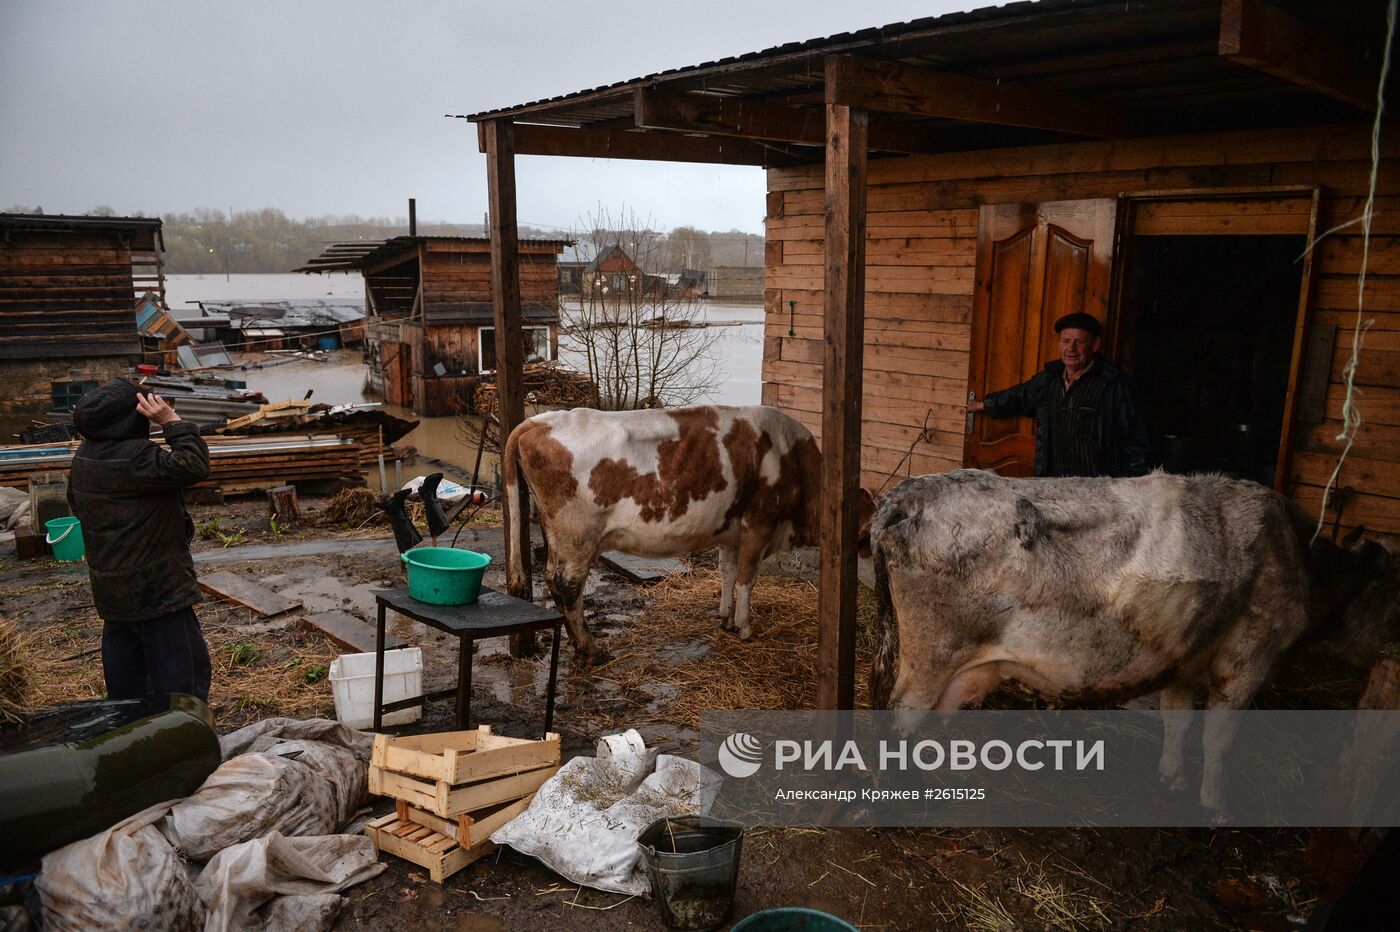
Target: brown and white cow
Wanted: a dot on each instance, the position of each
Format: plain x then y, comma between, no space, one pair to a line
1100,590
664,483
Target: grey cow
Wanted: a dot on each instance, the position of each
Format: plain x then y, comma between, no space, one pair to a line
1100,590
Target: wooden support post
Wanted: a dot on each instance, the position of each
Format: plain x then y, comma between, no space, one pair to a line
499,136
844,337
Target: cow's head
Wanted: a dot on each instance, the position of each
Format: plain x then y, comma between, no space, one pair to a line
1356,597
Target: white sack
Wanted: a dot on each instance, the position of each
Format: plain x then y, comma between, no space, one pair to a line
249,796
347,775
14,507
262,735
128,877
584,822
275,883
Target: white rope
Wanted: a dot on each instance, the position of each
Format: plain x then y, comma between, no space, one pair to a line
1351,417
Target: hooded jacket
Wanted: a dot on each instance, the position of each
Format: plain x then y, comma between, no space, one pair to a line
126,492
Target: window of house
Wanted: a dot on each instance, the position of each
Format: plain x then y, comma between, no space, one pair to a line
537,347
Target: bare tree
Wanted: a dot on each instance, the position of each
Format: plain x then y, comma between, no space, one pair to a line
642,344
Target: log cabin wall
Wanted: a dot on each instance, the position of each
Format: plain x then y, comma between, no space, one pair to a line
921,252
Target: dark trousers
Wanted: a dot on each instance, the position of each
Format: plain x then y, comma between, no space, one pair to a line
156,657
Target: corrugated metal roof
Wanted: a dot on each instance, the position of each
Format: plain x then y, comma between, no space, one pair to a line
72,223
839,42
1157,58
300,312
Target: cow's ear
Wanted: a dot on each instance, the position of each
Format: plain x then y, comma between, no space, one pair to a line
1354,536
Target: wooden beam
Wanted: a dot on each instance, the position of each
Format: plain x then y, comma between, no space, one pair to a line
1273,41
651,147
893,88
499,137
747,118
844,311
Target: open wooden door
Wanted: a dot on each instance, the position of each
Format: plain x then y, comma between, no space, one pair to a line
1035,263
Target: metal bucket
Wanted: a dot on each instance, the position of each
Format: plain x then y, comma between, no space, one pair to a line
693,863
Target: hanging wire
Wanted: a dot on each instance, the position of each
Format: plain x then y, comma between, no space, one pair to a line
1351,417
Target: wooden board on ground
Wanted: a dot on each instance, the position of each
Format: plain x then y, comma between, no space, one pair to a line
247,593
641,569
347,631
440,854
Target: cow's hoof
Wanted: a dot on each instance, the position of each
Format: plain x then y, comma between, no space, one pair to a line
727,624
744,633
597,658
1175,783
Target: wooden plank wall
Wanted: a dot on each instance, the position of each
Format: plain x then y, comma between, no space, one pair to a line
457,283
67,294
920,254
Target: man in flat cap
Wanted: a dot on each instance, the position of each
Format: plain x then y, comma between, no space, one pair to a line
126,491
1087,421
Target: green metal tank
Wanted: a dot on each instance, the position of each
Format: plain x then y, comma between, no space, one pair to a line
75,770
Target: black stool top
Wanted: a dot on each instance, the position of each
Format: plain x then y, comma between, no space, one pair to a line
491,614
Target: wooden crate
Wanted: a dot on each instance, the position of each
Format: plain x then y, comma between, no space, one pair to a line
452,773
468,828
442,855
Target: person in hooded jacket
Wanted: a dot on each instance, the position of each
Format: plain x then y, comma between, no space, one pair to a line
126,492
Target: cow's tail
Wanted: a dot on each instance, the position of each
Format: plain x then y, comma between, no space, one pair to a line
516,583
885,662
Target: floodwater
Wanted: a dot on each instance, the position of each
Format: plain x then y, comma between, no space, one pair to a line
341,379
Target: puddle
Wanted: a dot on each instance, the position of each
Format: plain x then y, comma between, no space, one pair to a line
321,593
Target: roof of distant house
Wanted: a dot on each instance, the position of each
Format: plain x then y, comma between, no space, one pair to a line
65,223
356,256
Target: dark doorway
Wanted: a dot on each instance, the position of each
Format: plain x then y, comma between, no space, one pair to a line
1207,328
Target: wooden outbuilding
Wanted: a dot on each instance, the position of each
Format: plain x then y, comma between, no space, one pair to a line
69,291
1196,173
428,327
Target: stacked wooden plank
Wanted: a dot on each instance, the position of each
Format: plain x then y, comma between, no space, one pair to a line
237,464
452,790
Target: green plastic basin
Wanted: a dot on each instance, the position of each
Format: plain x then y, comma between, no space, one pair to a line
792,919
444,575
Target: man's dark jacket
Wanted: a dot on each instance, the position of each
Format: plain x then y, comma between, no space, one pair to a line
126,492
1114,421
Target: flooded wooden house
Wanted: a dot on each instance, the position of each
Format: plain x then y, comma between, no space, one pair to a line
428,328
1194,172
69,291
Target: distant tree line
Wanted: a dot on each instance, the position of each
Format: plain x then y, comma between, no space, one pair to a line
208,240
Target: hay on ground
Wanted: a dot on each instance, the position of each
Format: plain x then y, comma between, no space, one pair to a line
15,685
775,669
256,674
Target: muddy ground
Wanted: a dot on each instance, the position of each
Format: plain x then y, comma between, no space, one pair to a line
877,879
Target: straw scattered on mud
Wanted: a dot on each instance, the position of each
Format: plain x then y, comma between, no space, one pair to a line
258,669
775,669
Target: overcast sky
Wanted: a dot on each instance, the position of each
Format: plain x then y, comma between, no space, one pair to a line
337,107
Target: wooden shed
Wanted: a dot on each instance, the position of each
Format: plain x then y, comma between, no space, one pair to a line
1194,172
428,327
69,290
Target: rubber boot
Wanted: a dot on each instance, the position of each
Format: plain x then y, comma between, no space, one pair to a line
437,519
406,536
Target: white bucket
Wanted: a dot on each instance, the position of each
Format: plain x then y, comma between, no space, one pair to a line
352,683
629,742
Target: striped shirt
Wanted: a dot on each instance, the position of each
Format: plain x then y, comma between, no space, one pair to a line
1076,447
